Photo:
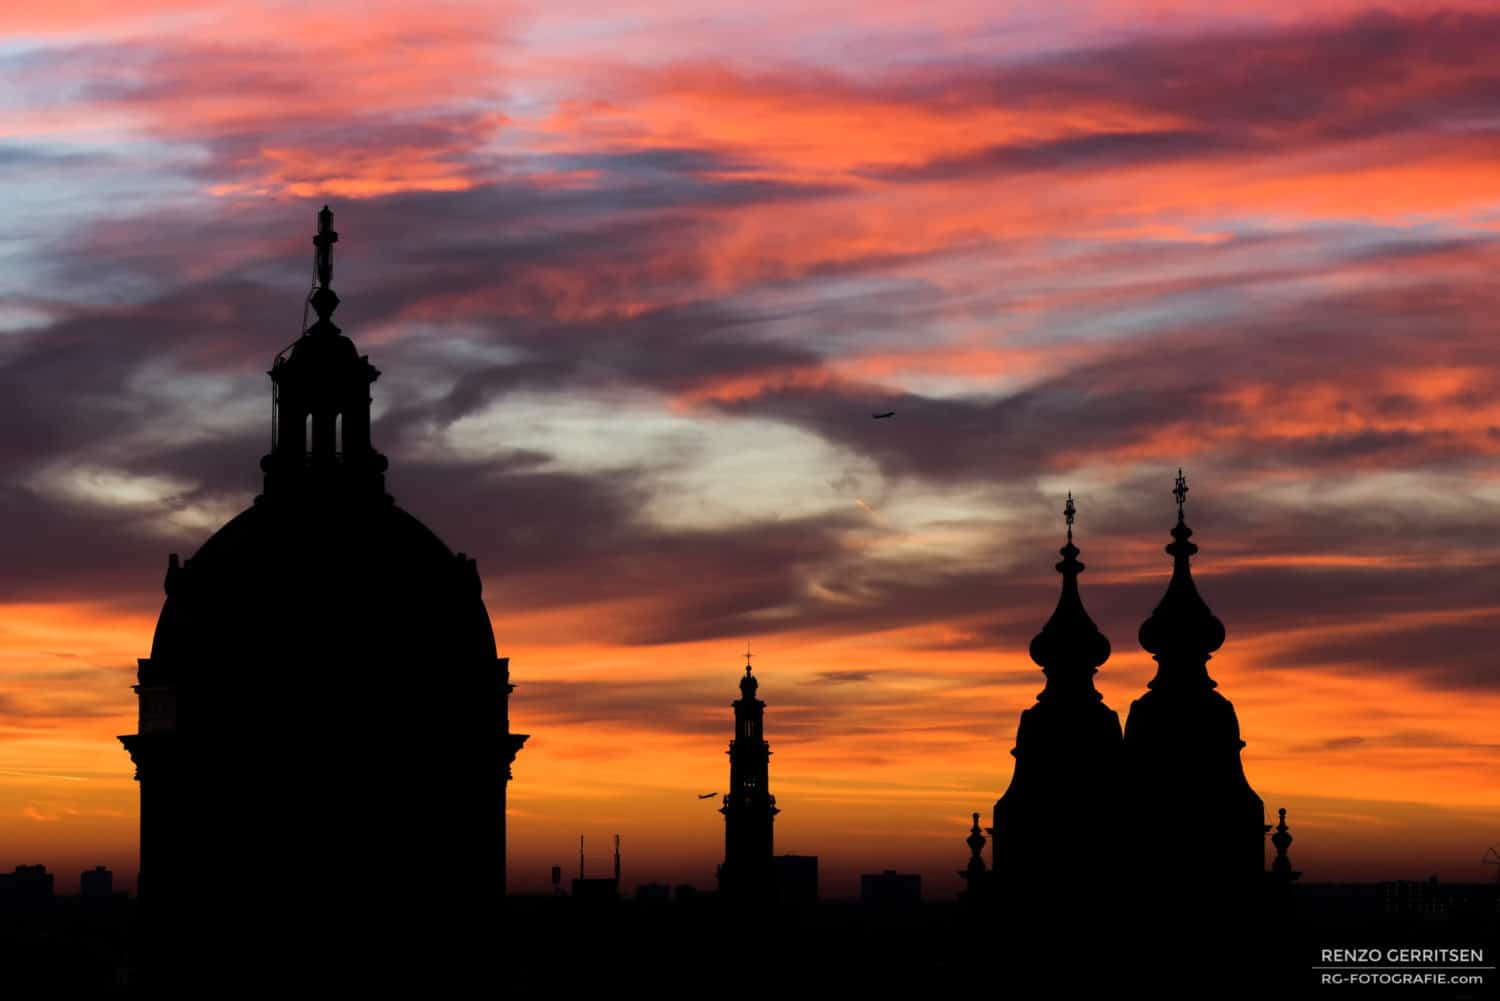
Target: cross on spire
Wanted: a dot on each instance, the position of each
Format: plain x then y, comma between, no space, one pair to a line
323,298
747,656
324,241
1180,491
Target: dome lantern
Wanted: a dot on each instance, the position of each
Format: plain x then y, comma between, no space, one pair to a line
320,424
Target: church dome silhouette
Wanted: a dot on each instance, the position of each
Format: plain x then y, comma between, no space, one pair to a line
322,715
348,557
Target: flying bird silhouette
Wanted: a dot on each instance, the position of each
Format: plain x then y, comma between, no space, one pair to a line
888,413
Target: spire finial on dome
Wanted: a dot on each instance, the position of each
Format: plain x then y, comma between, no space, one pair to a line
323,298
1180,491
1069,565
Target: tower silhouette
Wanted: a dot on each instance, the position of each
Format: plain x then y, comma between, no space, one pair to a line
1057,823
322,709
1201,828
749,808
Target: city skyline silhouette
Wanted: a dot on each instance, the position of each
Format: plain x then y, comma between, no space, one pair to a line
323,617
340,422
801,333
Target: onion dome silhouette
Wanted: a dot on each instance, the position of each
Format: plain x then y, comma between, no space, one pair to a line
1070,648
1061,792
1181,626
748,684
1062,804
1183,769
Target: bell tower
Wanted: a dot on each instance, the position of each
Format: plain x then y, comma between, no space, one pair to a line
749,808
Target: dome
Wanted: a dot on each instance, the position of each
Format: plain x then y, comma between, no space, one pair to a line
1070,642
1182,623
1070,648
332,349
279,567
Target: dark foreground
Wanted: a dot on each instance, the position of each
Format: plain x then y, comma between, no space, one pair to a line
1341,940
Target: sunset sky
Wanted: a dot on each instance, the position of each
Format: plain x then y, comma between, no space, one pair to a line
636,276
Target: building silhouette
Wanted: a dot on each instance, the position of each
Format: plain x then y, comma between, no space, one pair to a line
1060,808
749,808
796,879
97,883
595,889
1200,828
890,890
27,890
322,703
1152,830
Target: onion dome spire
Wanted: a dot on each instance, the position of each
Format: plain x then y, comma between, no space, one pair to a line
1182,628
1070,648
